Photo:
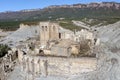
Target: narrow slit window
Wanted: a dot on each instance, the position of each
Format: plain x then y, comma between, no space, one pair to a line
46,28
53,28
42,28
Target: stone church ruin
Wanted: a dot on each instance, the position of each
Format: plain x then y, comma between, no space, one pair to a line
58,52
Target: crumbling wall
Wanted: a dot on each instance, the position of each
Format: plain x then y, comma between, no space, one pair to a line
2,73
7,64
70,66
57,66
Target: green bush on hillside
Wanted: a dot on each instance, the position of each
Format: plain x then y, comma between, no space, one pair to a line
69,25
3,50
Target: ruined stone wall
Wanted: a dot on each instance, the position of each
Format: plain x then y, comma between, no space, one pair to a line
60,51
2,73
70,66
54,34
44,66
83,34
7,64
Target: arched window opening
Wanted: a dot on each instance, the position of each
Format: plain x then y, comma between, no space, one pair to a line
53,28
36,31
45,28
42,28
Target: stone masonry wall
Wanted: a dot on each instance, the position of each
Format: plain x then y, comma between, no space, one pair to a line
43,66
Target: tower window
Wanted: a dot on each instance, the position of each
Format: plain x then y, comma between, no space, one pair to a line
42,28
36,31
53,28
46,28
59,35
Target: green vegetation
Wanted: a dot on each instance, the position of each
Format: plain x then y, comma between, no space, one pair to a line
31,23
3,50
11,21
110,20
13,25
106,21
69,25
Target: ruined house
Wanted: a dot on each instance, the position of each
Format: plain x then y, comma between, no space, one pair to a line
64,48
84,35
66,34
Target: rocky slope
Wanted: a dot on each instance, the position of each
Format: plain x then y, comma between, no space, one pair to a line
22,34
90,5
108,55
110,34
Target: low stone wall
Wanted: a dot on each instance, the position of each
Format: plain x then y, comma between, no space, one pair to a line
43,66
70,66
2,75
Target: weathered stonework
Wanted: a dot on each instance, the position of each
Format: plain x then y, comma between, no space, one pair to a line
7,64
48,31
44,66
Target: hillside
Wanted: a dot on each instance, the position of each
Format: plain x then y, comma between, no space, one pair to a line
105,11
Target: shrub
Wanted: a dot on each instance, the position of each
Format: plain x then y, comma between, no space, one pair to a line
3,50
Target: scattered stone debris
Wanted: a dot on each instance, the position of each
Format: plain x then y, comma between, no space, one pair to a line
7,63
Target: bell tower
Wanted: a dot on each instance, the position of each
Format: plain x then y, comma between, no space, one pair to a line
48,31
